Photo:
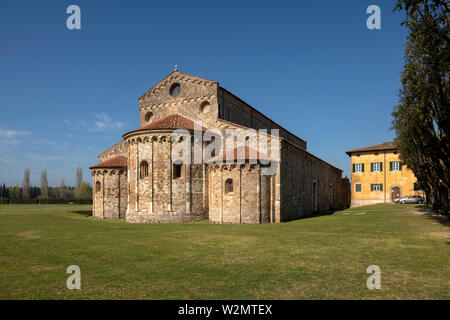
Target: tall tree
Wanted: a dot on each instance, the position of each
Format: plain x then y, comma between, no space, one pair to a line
422,117
85,191
62,189
44,184
26,185
79,179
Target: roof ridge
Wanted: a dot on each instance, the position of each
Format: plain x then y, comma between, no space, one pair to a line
382,146
170,122
114,162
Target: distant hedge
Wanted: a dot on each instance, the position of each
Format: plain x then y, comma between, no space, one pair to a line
46,201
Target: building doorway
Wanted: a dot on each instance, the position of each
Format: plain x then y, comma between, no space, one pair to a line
395,193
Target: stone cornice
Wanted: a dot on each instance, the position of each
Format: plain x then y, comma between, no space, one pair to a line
178,102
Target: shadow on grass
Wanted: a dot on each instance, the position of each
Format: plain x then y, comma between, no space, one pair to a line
87,213
319,214
438,218
422,208
432,215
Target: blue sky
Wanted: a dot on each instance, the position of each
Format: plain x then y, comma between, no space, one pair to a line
312,66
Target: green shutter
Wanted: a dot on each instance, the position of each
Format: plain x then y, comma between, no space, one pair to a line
371,167
362,167
390,165
381,187
381,166
400,165
371,187
353,167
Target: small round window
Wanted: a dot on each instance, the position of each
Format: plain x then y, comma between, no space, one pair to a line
175,90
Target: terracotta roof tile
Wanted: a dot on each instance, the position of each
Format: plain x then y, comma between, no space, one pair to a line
239,153
116,162
172,122
383,146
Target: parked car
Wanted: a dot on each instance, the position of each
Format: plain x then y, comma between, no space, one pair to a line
410,199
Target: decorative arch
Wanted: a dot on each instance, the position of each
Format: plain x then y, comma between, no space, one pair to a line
98,186
143,170
228,186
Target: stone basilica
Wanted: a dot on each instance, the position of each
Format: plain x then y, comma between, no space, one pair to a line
221,179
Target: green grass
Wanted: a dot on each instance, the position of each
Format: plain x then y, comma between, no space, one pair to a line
317,258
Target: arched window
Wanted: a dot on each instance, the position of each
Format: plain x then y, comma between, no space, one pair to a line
205,106
148,116
229,186
143,170
98,186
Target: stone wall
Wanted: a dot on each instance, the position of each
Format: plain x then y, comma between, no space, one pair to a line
119,149
309,185
110,193
249,200
197,100
160,196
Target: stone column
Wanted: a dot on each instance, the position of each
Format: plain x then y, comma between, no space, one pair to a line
170,175
221,194
137,177
152,177
188,179
258,193
103,194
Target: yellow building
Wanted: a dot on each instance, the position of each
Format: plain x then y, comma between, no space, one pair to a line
378,175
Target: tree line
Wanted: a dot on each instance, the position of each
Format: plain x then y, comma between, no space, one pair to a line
81,190
422,117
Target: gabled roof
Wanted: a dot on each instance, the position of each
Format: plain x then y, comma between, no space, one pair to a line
115,162
173,73
172,122
391,145
239,153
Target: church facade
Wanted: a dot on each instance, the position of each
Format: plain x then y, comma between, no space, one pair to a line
200,152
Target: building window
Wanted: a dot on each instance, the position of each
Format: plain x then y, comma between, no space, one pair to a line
358,167
205,107
148,116
143,170
358,187
98,186
376,166
175,90
177,171
229,186
376,187
395,166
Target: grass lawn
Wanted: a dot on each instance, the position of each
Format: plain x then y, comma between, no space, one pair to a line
324,257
